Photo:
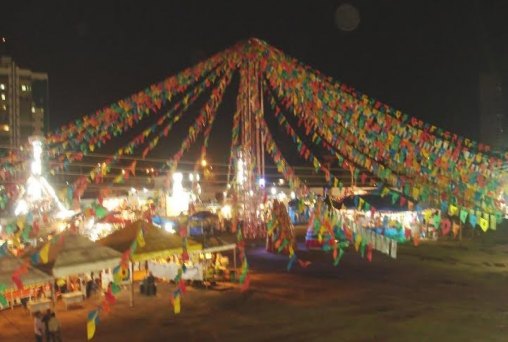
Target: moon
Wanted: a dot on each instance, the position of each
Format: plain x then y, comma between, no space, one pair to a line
347,17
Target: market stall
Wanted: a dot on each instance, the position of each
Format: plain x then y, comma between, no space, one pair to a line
35,283
74,254
157,245
74,259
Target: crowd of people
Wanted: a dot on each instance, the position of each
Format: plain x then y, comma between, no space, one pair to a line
46,327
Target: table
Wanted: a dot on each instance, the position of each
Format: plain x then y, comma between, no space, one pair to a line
39,305
72,298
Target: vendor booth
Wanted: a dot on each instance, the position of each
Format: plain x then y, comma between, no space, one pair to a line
37,289
161,248
72,258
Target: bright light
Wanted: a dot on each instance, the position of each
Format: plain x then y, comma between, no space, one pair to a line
229,186
168,226
273,191
145,190
179,200
281,181
281,196
177,177
191,177
36,163
89,223
60,226
204,163
197,177
23,87
226,211
21,208
132,191
64,214
262,182
6,128
34,188
251,193
293,195
240,176
111,203
37,185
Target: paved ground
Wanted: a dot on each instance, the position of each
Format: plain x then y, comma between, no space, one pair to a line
436,292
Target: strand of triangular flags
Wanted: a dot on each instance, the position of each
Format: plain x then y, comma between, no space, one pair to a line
179,281
119,273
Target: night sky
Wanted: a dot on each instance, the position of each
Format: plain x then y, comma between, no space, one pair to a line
422,57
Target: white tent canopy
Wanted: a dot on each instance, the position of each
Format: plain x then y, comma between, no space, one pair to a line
74,254
9,264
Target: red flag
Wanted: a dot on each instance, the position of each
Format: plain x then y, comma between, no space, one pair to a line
182,286
17,280
369,252
110,298
246,283
304,263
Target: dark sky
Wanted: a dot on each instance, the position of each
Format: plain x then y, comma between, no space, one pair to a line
422,57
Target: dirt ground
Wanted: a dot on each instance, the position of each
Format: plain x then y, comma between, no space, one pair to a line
435,292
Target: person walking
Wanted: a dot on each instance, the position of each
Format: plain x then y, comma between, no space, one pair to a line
38,327
54,329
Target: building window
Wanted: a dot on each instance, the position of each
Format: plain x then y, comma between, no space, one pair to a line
2,86
2,97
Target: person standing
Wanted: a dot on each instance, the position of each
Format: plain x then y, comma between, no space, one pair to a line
45,319
38,327
54,329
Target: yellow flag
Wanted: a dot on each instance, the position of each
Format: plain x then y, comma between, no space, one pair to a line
484,224
44,253
360,204
358,241
90,329
385,192
21,222
452,210
118,179
176,305
416,193
427,215
141,238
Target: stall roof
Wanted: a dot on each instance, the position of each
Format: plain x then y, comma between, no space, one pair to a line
71,253
158,243
9,264
219,244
